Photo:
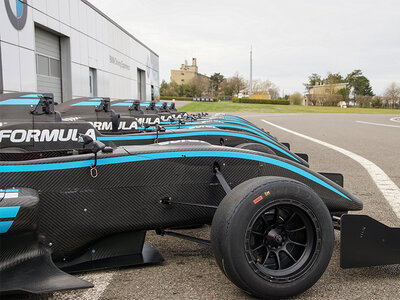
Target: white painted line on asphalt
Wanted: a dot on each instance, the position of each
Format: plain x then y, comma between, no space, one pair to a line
395,119
377,124
388,188
100,281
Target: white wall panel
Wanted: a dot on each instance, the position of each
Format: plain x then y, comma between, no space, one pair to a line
74,15
11,67
83,47
79,79
75,50
40,5
27,70
64,12
26,37
82,12
91,23
53,9
39,15
65,29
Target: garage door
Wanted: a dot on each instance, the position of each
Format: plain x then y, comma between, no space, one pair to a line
48,66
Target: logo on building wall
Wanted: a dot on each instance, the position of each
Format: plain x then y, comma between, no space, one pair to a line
17,12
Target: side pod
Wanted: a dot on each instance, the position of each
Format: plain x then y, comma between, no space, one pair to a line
366,242
25,264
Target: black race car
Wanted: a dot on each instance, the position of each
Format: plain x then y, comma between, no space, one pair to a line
48,130
90,208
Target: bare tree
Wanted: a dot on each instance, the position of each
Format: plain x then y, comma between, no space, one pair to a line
202,84
392,95
235,84
296,99
363,101
265,87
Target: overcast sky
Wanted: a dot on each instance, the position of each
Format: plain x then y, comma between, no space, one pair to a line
291,39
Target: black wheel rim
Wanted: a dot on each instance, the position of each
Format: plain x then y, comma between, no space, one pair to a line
283,240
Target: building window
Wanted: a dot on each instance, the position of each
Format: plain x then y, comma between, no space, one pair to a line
55,68
141,84
183,74
93,82
42,65
48,66
183,80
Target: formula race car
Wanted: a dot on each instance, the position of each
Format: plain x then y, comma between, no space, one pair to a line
46,130
129,116
90,208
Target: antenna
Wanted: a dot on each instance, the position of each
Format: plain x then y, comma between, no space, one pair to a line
251,70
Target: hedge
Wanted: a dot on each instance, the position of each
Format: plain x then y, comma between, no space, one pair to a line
176,98
261,101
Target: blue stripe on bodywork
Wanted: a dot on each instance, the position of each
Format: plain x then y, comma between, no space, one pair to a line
9,212
32,96
9,191
189,134
20,101
96,99
165,155
122,104
264,135
5,225
242,124
87,103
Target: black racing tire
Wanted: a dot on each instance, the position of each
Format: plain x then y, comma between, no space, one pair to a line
259,242
256,147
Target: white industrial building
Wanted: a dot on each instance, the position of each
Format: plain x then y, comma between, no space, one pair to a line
70,48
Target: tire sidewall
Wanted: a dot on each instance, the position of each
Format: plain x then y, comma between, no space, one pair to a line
241,211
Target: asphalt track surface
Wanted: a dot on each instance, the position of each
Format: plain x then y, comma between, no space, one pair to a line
189,270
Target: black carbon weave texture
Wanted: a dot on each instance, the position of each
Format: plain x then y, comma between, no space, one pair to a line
76,209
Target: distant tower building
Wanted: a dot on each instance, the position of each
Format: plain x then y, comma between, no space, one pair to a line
187,73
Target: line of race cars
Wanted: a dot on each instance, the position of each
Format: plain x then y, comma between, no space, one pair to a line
82,181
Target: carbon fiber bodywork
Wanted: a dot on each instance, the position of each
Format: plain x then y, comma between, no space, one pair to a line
101,206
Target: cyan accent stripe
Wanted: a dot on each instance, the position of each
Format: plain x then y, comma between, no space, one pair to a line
192,134
96,99
233,118
32,96
243,124
9,191
9,212
87,103
5,225
264,135
20,101
122,104
165,155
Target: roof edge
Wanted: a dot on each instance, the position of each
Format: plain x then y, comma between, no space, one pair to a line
116,24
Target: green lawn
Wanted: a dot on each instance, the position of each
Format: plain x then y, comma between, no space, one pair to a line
271,108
